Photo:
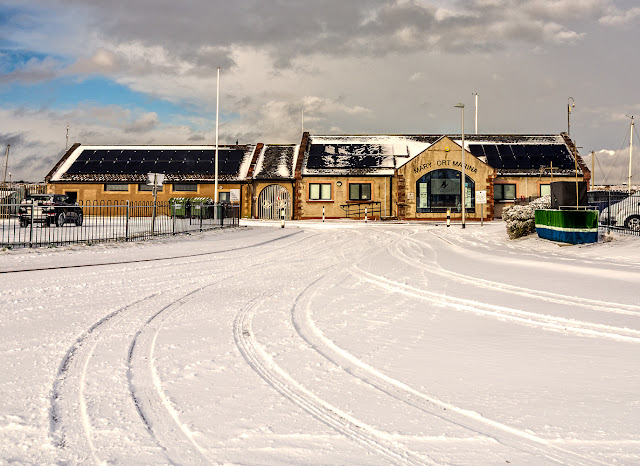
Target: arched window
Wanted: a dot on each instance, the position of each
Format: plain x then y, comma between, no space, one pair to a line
439,190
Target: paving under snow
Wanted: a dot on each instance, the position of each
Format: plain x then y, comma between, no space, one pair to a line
326,343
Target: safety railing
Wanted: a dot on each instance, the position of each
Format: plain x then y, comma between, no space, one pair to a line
28,225
362,209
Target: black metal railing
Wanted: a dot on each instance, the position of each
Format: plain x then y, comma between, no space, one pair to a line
362,209
618,212
29,225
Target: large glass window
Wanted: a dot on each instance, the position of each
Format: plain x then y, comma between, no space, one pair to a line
319,191
440,190
359,191
504,192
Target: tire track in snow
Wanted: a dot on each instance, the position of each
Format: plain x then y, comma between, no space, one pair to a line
264,365
67,396
434,268
154,259
153,405
504,434
531,319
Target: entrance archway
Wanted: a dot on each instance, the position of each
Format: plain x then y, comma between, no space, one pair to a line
272,200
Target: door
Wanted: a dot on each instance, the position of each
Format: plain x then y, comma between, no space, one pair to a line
272,200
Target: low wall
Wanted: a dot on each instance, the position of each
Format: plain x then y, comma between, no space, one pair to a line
568,226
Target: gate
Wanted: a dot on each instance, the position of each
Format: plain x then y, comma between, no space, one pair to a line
272,200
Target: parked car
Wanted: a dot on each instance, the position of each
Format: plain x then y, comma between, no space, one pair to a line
49,209
602,198
625,213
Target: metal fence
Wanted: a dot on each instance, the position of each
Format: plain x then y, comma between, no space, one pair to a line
619,212
26,225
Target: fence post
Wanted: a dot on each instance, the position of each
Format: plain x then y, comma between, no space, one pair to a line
153,218
126,227
172,209
609,214
31,225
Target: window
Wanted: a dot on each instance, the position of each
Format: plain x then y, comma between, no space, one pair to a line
319,191
440,190
359,191
224,197
185,187
116,187
545,190
504,192
145,187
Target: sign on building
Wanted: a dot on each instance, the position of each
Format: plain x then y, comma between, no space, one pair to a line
481,197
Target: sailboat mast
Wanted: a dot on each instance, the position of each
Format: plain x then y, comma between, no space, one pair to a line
6,165
630,156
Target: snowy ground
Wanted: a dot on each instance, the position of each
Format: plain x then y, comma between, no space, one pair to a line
322,344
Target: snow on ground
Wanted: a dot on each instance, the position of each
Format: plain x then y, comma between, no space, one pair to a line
338,342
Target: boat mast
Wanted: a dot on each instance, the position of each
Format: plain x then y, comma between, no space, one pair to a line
6,165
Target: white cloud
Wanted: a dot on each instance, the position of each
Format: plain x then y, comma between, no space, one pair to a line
617,17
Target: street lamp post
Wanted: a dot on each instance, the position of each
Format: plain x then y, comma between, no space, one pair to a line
570,103
463,182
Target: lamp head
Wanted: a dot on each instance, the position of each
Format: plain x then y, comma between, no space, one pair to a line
459,105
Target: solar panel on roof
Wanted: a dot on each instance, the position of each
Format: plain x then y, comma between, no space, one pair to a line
85,155
563,157
476,150
92,166
204,167
493,158
533,155
109,155
147,166
162,166
133,167
136,154
507,157
192,155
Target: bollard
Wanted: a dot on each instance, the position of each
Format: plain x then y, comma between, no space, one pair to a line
322,214
448,217
365,215
282,216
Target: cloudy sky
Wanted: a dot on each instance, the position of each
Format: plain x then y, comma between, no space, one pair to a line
144,72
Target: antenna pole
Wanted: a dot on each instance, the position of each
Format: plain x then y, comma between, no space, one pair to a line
302,120
593,168
66,146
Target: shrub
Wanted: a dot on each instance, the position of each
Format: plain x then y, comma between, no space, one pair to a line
521,218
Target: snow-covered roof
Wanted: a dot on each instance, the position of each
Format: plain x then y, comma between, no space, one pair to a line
509,154
132,163
276,161
362,154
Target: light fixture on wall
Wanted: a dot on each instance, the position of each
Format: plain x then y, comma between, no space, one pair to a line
339,183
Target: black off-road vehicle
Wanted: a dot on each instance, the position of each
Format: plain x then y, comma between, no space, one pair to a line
49,209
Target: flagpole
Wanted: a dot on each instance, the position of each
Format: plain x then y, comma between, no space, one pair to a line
215,194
